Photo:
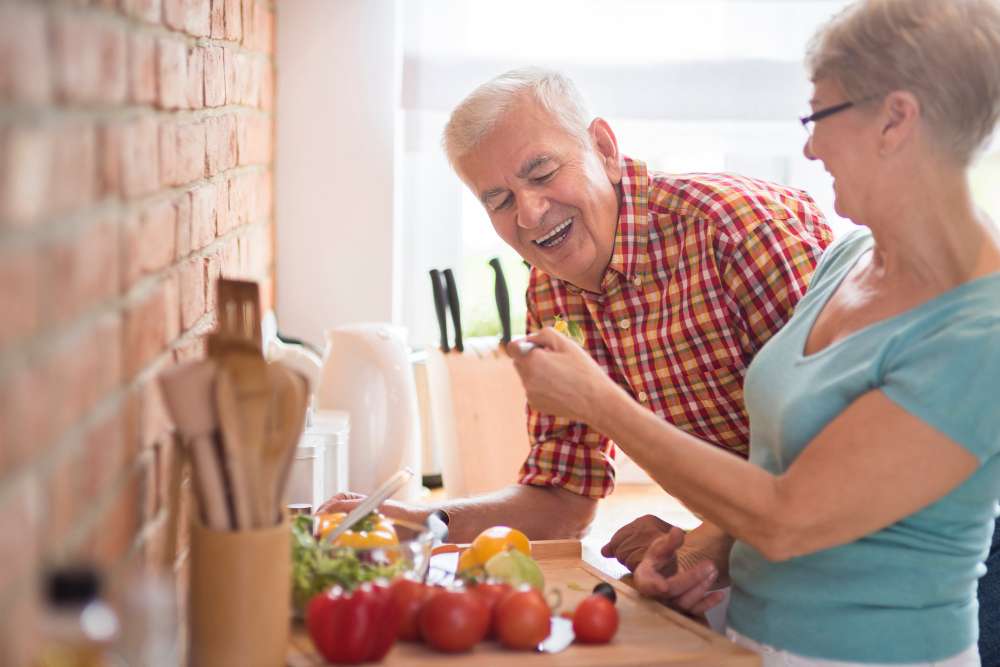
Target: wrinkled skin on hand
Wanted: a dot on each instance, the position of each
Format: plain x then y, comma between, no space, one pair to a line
345,501
683,583
629,544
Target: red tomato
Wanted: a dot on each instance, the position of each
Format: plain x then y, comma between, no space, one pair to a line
521,619
453,620
352,627
407,596
595,620
491,593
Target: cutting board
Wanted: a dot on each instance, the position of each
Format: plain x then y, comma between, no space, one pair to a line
648,633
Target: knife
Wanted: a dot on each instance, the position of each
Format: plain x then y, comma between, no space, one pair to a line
456,317
502,298
438,289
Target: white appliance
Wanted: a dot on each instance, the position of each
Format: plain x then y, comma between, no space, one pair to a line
367,372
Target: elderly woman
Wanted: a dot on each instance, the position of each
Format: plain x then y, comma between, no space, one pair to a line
865,513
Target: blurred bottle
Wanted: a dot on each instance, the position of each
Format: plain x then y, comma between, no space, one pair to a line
79,628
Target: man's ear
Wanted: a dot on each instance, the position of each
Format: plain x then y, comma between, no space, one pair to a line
901,114
606,144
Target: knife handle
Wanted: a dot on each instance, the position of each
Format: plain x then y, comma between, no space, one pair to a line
438,290
456,316
502,297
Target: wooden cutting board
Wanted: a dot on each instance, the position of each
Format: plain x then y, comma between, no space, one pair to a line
648,632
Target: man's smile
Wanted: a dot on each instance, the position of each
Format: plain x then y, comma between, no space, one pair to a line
556,236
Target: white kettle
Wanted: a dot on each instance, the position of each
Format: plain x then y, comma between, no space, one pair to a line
367,372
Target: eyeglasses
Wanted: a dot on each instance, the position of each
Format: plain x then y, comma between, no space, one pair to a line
808,122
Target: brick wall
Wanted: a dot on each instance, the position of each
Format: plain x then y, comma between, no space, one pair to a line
135,168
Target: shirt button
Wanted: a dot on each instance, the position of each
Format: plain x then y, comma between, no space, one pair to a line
637,281
624,323
643,397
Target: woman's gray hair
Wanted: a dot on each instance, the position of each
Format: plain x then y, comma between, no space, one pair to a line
479,113
945,52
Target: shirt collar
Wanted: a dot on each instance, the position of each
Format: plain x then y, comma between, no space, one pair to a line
629,257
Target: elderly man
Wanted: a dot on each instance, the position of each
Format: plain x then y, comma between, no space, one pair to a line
675,282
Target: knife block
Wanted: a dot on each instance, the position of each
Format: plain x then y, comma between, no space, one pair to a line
239,605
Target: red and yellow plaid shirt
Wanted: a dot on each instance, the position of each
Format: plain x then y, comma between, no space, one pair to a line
705,269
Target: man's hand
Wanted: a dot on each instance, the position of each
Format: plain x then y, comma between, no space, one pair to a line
685,586
346,501
630,542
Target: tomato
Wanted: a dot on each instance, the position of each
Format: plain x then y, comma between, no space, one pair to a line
354,627
491,593
493,540
595,620
521,619
453,620
407,596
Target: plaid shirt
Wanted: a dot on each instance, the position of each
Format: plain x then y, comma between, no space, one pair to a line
705,269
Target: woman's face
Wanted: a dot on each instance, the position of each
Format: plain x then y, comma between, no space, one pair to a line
847,145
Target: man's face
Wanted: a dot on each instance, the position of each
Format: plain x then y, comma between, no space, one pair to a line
550,198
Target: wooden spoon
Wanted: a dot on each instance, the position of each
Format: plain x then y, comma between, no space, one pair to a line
286,419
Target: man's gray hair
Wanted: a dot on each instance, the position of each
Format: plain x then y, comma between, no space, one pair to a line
484,107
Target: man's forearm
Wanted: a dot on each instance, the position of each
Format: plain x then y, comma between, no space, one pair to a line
542,513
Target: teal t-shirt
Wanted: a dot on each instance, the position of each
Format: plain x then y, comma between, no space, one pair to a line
906,593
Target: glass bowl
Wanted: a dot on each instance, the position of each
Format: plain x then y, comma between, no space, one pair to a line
316,566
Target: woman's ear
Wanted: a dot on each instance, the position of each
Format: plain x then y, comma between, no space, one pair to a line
901,115
606,145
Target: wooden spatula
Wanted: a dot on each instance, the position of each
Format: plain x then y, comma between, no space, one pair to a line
236,346
285,422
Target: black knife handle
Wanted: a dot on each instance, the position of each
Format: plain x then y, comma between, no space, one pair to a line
502,297
438,289
456,316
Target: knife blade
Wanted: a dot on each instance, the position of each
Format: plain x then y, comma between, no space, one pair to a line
560,636
456,316
503,299
438,290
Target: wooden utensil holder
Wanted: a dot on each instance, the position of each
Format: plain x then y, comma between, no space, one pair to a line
239,607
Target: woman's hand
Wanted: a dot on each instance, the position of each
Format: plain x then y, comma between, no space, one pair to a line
662,574
559,376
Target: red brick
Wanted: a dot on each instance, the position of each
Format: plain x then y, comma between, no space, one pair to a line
182,208
157,237
190,152
144,332
254,138
213,269
26,423
172,70
89,59
81,271
223,219
146,10
20,529
154,420
103,453
19,294
244,72
196,77
142,68
175,14
20,639
120,524
203,230
140,158
218,19
263,28
229,64
172,304
26,156
239,200
231,258
220,143
109,150
215,77
248,23
198,17
75,177
25,68
192,279
63,485
168,154
234,20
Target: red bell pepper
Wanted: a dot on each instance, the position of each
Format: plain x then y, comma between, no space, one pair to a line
353,627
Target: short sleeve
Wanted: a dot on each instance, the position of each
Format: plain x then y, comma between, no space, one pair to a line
949,377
